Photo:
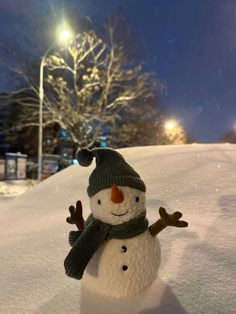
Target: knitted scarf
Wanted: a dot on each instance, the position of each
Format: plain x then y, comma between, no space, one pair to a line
86,243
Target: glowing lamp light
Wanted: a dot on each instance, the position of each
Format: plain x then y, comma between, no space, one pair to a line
170,125
65,35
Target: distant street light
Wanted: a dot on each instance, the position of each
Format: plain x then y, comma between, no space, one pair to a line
63,36
174,132
170,124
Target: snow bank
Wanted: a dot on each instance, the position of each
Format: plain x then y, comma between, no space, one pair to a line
12,188
197,273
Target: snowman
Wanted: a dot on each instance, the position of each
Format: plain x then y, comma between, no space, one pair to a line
115,251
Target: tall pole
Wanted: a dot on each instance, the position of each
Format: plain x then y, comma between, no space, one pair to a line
65,35
41,96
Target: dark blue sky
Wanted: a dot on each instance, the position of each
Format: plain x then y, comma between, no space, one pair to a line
191,44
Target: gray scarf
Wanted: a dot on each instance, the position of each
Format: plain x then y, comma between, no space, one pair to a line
86,243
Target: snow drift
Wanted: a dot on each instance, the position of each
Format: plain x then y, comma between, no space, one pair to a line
197,273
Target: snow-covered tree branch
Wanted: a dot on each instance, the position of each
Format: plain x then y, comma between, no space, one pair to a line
88,86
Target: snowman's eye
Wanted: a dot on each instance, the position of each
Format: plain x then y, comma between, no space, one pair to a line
99,202
137,199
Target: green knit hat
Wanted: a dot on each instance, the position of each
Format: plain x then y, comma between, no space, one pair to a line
111,168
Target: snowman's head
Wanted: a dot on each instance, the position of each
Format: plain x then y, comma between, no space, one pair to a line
116,190
117,204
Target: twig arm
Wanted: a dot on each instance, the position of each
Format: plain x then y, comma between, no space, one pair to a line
167,220
157,227
76,216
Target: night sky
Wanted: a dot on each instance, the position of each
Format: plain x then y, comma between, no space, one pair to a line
191,44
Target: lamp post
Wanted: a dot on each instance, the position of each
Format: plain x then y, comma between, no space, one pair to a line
64,36
41,97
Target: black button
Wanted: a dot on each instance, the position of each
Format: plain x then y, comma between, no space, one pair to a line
124,248
124,267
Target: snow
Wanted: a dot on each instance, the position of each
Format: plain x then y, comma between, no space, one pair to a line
197,272
11,188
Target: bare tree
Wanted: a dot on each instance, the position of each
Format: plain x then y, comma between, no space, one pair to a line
88,87
140,128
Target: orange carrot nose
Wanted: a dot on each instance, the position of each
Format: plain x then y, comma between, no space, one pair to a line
116,194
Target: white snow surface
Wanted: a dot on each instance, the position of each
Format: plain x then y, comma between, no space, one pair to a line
197,272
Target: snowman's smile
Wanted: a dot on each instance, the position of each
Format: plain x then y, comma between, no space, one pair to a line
118,215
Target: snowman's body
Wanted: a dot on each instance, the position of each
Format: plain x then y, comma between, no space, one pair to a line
123,258
124,267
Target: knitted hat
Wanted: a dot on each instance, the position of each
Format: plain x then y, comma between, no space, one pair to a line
111,168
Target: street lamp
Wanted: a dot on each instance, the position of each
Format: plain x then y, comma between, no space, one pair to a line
63,36
170,124
174,132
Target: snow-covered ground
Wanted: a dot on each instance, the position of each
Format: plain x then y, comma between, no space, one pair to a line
197,273
11,188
